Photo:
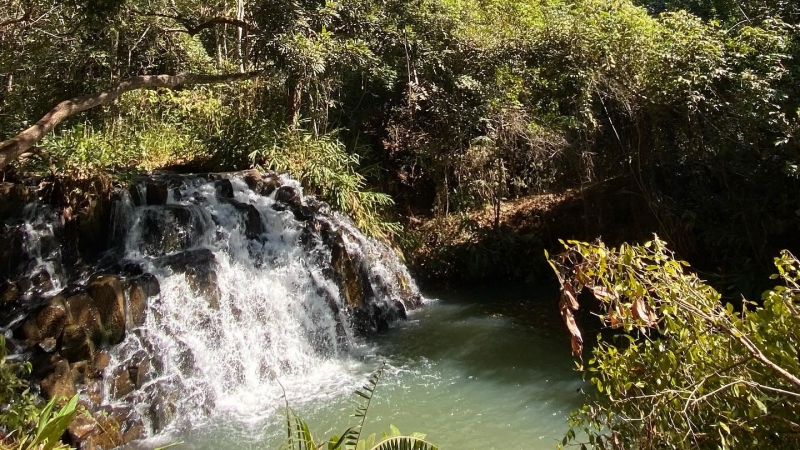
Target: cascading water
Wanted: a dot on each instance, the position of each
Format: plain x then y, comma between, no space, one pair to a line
217,287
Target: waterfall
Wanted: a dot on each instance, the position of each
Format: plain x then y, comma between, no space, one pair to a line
228,283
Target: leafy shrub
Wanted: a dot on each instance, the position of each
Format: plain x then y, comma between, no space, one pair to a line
682,369
22,422
325,168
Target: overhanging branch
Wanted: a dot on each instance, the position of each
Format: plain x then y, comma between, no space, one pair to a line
192,27
13,148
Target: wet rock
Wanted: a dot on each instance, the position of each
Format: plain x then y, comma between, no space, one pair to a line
121,385
204,283
162,410
94,390
400,310
302,213
170,228
140,369
349,275
183,261
100,362
49,322
60,383
262,184
224,188
80,372
108,296
37,284
137,196
288,195
83,312
43,364
93,225
11,252
13,198
108,428
137,304
9,292
149,284
49,345
252,219
157,193
75,344
81,427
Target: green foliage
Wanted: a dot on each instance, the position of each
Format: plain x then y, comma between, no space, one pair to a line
51,426
682,369
325,168
21,420
19,409
299,435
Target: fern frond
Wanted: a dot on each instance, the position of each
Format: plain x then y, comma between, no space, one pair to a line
404,443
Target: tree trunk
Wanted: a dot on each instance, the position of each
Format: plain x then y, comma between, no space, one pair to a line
239,30
11,149
294,102
218,44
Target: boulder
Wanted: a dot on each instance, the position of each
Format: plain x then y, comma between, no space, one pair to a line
82,311
37,284
183,261
61,381
75,344
149,284
251,217
108,296
288,195
105,429
47,323
261,184
156,193
349,275
224,188
9,292
137,304
94,390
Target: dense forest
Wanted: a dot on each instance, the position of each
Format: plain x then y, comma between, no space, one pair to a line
471,135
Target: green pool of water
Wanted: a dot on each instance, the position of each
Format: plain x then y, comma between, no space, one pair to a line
475,369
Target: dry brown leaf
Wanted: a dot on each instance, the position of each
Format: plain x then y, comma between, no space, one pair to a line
568,296
577,347
569,321
641,311
602,293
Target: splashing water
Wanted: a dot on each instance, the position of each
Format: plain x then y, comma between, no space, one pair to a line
248,296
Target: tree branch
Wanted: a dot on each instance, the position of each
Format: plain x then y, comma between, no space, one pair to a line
192,29
13,148
24,18
220,21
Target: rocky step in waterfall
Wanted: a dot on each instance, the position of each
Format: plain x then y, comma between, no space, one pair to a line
211,286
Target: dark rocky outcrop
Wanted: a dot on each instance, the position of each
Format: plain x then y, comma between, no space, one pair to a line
69,334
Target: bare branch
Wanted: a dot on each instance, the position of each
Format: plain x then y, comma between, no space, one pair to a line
13,148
